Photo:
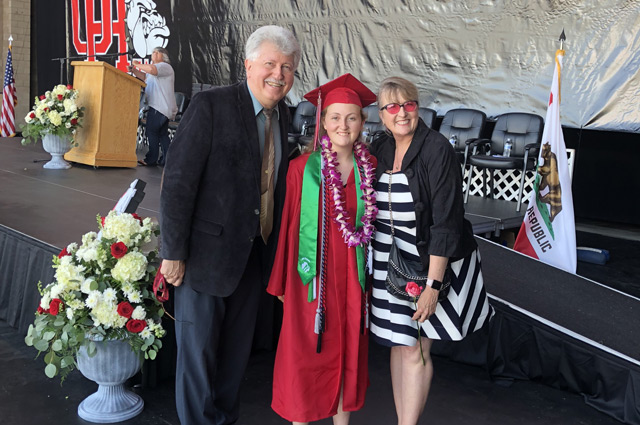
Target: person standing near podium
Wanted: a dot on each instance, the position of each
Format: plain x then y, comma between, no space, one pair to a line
220,205
159,77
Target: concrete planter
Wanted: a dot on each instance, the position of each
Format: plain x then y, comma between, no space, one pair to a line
57,146
114,363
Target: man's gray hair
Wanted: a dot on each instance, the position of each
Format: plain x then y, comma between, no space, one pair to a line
164,52
282,38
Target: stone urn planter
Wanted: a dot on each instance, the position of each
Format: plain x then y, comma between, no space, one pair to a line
57,146
113,364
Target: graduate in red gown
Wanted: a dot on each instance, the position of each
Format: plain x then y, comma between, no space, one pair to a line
321,264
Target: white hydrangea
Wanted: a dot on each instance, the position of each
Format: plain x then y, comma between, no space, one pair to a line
69,275
69,106
55,118
106,313
40,111
130,268
122,227
59,89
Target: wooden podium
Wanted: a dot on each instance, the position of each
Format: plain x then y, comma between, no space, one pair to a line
109,129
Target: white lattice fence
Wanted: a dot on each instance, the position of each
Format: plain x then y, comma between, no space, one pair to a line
507,182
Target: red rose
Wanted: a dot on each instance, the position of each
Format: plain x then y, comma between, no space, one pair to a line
60,97
43,97
32,115
125,309
74,121
46,109
137,217
69,87
63,253
413,289
102,221
118,249
136,326
54,306
41,310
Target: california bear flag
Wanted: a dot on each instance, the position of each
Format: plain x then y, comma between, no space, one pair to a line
548,231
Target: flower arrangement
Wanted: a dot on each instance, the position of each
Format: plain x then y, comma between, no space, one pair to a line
55,112
102,291
414,291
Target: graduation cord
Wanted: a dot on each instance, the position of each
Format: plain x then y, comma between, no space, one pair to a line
364,304
320,311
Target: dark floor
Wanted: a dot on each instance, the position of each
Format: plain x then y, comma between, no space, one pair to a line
460,395
622,271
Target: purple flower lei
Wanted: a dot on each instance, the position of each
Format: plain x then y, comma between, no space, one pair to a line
351,236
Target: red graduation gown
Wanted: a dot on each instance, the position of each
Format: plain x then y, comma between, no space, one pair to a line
306,384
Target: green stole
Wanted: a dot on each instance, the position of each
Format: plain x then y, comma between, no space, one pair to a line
309,210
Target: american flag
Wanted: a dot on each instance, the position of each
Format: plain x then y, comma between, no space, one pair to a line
9,100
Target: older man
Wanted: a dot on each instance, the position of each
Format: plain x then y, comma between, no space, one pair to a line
222,193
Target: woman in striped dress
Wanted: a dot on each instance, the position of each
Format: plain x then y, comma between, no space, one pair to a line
429,226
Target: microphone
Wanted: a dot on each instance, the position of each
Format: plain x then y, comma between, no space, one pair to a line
129,52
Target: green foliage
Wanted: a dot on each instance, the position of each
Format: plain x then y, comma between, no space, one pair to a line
100,293
56,112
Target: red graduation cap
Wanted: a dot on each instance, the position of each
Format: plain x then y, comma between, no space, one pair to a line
344,89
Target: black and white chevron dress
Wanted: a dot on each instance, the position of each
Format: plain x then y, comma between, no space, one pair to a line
466,308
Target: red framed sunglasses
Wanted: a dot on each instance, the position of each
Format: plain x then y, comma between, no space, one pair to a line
394,108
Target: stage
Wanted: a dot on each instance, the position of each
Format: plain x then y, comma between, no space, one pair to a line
565,331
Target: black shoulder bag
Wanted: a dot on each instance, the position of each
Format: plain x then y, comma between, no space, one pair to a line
400,270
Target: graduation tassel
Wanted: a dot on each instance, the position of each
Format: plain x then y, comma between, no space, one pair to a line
319,345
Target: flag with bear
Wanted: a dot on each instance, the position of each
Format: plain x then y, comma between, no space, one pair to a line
548,230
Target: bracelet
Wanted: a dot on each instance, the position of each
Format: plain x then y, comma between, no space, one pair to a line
434,284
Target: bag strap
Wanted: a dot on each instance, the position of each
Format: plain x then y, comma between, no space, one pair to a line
393,234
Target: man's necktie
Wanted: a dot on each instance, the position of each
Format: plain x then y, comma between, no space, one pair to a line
266,181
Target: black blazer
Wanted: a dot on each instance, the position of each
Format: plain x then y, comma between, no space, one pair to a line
435,181
210,196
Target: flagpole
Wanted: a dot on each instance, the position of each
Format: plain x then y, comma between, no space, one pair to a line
548,232
9,99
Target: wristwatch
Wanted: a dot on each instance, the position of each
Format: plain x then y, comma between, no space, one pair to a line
434,284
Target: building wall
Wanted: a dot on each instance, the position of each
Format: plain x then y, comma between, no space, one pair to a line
16,22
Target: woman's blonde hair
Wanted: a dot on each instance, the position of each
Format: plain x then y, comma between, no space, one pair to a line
394,88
